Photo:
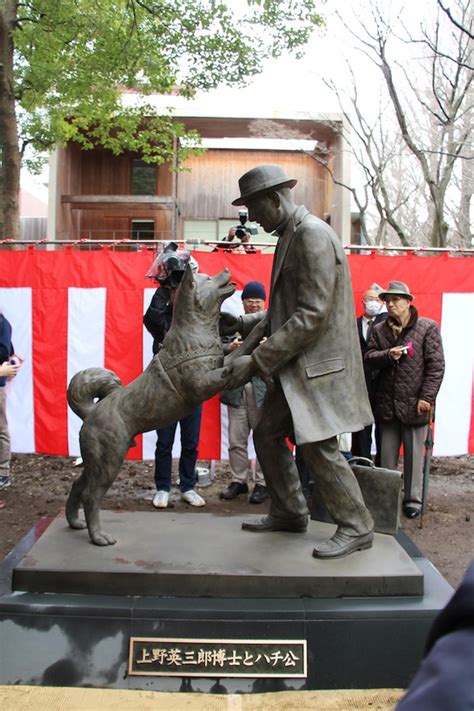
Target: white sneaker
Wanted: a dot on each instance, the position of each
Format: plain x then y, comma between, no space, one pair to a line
192,498
160,500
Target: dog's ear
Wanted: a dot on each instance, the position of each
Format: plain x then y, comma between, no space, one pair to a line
188,280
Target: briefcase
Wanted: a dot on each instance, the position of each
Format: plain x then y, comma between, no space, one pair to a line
382,492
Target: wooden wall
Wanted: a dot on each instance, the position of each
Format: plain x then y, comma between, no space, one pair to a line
205,192
208,190
99,172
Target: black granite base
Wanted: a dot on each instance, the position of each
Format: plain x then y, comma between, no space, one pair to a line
83,639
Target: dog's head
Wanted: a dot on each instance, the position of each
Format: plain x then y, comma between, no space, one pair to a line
202,294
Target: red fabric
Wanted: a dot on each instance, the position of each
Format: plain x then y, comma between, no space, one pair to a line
50,273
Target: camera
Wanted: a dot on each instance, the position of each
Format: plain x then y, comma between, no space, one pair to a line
241,231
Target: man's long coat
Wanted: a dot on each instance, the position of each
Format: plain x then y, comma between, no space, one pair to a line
312,341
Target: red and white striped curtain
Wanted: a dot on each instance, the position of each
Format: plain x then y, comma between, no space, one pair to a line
74,309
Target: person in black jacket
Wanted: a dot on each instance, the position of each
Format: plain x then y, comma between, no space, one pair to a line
8,369
168,270
444,681
373,314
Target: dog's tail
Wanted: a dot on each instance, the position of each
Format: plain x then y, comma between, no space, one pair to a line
88,386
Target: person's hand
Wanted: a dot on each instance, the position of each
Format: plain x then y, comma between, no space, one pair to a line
233,345
9,370
396,352
228,323
239,372
422,406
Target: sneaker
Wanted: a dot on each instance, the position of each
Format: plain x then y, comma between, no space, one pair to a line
192,498
161,499
5,482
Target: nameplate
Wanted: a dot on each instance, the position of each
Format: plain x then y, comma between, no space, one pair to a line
159,656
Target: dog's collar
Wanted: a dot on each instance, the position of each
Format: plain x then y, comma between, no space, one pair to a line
169,361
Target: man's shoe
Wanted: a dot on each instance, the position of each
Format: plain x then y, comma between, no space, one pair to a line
259,494
270,523
161,499
234,489
411,511
342,544
5,482
192,498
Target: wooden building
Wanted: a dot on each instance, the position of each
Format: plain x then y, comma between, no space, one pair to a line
97,195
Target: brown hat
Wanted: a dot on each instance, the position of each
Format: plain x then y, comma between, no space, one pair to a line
396,288
260,179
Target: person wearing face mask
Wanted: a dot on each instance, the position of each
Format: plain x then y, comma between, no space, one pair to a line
374,312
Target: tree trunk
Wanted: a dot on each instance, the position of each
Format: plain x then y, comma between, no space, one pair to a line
467,176
10,153
439,230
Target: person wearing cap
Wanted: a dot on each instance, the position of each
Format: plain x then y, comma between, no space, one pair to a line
407,352
168,270
374,313
243,409
312,354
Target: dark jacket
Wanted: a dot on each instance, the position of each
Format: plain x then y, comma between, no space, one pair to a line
158,316
400,384
370,373
233,398
6,345
445,681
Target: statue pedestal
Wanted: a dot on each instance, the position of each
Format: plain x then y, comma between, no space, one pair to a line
196,579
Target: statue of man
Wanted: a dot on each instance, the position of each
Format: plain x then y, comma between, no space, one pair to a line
312,354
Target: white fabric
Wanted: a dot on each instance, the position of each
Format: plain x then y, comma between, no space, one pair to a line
454,403
85,344
16,305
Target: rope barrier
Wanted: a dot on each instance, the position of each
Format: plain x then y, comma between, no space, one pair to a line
364,249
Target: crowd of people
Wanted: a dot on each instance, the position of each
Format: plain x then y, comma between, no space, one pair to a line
403,367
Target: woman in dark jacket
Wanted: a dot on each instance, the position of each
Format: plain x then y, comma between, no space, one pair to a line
407,352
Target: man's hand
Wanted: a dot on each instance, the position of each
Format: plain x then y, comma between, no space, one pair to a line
422,406
233,345
239,372
396,352
228,323
9,370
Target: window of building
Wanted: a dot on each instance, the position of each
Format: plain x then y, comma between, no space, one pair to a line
142,229
143,178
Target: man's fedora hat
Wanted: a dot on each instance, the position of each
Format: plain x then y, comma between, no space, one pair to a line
260,179
396,288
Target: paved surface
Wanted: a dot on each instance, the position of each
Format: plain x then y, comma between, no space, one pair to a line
196,555
24,698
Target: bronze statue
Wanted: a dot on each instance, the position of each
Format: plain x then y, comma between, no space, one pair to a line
312,355
186,371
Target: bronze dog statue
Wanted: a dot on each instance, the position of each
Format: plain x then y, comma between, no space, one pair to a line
186,371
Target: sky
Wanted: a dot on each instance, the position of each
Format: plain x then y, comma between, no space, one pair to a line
298,84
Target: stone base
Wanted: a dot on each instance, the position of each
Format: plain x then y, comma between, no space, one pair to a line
205,555
82,639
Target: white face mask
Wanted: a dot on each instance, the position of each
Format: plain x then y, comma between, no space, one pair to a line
372,308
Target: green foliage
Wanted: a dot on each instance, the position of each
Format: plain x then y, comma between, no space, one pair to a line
73,58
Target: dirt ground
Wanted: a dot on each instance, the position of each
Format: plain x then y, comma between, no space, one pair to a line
41,485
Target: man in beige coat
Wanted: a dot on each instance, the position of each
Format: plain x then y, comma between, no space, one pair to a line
312,353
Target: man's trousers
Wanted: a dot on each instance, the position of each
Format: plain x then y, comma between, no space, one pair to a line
332,475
